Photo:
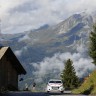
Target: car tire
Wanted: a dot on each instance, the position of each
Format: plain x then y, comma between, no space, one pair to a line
61,91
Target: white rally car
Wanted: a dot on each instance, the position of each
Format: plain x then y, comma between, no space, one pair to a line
55,85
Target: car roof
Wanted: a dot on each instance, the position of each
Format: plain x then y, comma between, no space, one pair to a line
54,80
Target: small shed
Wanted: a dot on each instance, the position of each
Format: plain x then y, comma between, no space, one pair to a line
10,68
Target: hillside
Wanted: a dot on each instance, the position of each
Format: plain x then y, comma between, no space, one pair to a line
88,86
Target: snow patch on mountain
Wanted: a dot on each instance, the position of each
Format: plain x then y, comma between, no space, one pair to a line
25,37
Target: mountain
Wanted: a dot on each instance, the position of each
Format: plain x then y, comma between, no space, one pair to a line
34,45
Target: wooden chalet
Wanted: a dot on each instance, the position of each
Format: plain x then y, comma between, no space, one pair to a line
10,68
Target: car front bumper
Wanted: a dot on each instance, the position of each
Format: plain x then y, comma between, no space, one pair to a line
54,89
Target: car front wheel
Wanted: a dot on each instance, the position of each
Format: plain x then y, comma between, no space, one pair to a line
61,91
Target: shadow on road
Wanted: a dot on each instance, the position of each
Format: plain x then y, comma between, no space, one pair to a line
59,94
35,94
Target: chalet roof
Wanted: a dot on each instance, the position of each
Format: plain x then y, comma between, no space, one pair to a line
11,56
2,51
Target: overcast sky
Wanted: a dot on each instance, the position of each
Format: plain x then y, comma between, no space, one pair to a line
22,15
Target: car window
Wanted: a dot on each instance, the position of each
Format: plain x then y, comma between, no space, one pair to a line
58,82
51,81
55,82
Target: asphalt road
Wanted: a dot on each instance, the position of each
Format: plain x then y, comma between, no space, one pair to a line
67,93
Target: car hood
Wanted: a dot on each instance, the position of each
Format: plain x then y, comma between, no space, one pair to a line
54,84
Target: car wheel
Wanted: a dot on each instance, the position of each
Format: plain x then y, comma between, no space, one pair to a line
61,91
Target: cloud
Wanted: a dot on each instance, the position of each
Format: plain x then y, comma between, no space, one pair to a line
54,65
26,37
7,5
18,52
21,15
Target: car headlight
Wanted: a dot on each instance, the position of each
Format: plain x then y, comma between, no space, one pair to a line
61,87
48,86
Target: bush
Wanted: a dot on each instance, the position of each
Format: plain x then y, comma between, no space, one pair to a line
88,91
3,89
11,88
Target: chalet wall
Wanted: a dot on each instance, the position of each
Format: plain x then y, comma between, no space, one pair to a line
1,73
8,74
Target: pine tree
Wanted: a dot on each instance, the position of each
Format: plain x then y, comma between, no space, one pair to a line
92,50
69,78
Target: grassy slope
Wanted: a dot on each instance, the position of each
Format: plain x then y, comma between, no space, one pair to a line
88,85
